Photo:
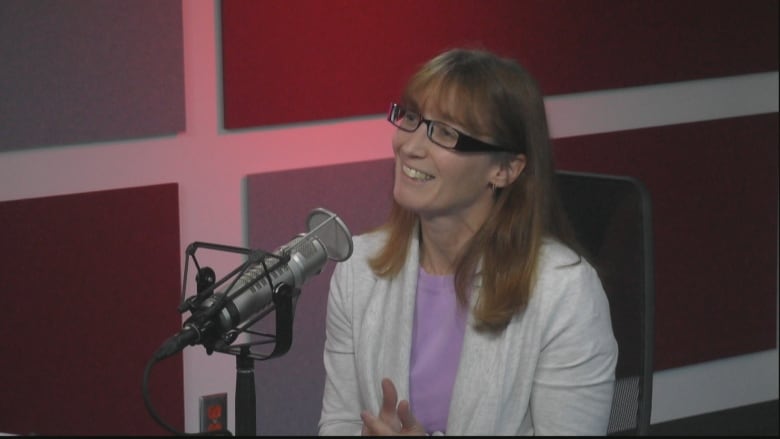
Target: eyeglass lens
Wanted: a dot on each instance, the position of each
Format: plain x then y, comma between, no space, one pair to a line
438,132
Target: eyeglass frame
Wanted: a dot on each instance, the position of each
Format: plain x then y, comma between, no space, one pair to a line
464,142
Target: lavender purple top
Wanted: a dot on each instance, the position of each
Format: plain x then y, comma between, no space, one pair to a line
437,338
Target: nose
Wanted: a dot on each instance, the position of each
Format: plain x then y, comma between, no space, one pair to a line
414,143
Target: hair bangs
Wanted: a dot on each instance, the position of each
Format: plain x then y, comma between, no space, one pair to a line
445,90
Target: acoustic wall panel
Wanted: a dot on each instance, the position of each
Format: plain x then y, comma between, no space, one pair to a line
82,71
714,192
289,388
304,60
91,283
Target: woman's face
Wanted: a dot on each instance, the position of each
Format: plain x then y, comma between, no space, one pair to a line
438,182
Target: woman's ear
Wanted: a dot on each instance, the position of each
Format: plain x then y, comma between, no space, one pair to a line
508,171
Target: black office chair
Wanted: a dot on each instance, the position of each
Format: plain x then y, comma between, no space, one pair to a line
611,216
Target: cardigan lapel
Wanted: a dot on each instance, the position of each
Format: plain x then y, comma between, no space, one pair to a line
386,333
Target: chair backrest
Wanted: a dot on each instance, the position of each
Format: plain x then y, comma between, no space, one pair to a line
611,216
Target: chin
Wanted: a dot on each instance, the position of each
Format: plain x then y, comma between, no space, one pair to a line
407,201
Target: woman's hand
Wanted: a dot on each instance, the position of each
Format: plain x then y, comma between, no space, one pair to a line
395,418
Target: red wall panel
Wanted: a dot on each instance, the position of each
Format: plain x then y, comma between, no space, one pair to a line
714,192
304,60
91,283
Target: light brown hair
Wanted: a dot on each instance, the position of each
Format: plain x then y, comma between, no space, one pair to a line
497,97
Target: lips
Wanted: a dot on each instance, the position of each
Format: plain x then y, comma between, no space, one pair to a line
416,174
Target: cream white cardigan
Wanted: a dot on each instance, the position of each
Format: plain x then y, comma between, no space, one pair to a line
551,372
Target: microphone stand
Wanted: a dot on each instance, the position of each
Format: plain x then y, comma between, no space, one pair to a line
245,395
203,326
284,299
246,399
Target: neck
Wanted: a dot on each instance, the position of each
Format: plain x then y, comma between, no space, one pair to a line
441,244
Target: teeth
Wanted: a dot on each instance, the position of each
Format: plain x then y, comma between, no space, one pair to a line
415,174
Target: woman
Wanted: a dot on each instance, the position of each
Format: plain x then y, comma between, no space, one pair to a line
471,304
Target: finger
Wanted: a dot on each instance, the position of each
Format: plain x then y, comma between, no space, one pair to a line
373,426
405,414
389,400
408,421
368,421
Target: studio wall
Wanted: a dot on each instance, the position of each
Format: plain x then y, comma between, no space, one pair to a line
545,36
91,277
714,273
703,178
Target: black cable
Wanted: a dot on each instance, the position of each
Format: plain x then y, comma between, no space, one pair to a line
148,403
166,350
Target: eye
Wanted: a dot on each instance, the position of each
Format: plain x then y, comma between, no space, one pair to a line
446,132
410,116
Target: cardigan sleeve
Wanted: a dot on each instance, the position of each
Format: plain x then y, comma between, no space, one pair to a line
573,386
341,402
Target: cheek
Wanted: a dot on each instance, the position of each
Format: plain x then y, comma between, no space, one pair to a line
397,141
468,173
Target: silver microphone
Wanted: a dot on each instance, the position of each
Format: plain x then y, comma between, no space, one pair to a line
328,238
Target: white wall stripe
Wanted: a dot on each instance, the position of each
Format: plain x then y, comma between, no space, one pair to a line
714,385
662,104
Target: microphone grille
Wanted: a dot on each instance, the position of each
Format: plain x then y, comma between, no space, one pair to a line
306,247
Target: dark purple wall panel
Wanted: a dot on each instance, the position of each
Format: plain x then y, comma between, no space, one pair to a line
89,71
289,388
304,60
91,282
714,192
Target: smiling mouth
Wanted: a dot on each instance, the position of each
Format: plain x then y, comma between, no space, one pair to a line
414,174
